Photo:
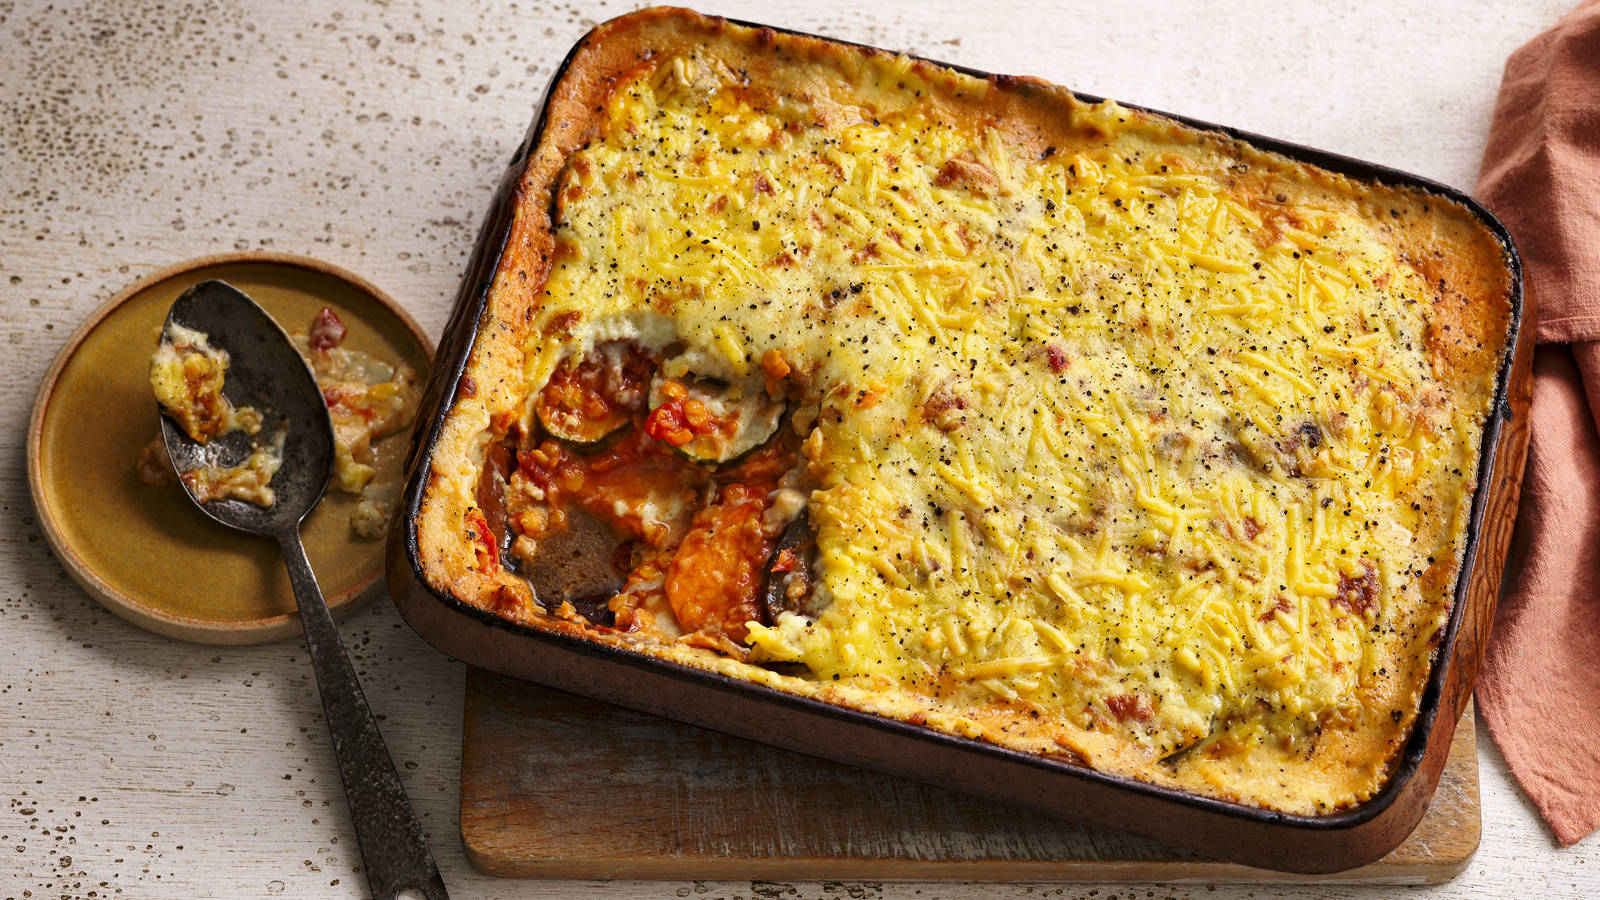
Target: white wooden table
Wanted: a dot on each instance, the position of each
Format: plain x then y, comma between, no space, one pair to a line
138,133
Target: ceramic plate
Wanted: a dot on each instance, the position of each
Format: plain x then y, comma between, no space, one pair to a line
144,551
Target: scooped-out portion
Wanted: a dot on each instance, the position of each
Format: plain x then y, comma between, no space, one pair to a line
693,476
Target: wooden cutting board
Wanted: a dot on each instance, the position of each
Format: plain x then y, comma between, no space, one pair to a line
557,786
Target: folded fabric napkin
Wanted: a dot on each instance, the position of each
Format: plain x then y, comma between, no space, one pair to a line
1539,688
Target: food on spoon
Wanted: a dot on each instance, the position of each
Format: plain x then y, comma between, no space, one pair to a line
186,374
250,481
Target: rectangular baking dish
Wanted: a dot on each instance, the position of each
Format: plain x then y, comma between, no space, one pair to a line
1249,835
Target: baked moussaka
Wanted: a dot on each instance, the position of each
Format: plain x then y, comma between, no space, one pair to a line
1053,424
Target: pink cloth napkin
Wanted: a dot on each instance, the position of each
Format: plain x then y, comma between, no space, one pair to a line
1539,687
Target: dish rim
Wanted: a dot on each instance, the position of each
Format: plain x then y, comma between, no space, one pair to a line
462,330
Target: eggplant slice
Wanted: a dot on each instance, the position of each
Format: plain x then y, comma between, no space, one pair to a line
491,493
788,581
576,565
712,421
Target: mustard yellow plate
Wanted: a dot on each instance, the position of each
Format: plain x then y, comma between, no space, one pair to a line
143,550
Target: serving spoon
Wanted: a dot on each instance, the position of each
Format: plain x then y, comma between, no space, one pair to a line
266,372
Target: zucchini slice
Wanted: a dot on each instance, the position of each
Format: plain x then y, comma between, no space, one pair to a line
712,421
588,400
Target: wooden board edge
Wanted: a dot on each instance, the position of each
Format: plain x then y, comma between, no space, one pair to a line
482,837
1130,872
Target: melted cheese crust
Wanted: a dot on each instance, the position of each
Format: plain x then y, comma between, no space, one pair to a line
1131,443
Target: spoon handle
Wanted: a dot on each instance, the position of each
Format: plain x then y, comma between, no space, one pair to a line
393,850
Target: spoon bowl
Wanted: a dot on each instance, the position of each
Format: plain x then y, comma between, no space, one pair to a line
267,373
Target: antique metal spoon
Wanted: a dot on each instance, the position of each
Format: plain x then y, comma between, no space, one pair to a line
266,372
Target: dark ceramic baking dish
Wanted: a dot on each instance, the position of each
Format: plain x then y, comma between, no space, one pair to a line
1230,831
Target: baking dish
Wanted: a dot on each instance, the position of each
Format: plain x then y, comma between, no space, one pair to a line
740,706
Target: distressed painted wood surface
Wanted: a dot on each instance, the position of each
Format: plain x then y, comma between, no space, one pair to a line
136,133
555,785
